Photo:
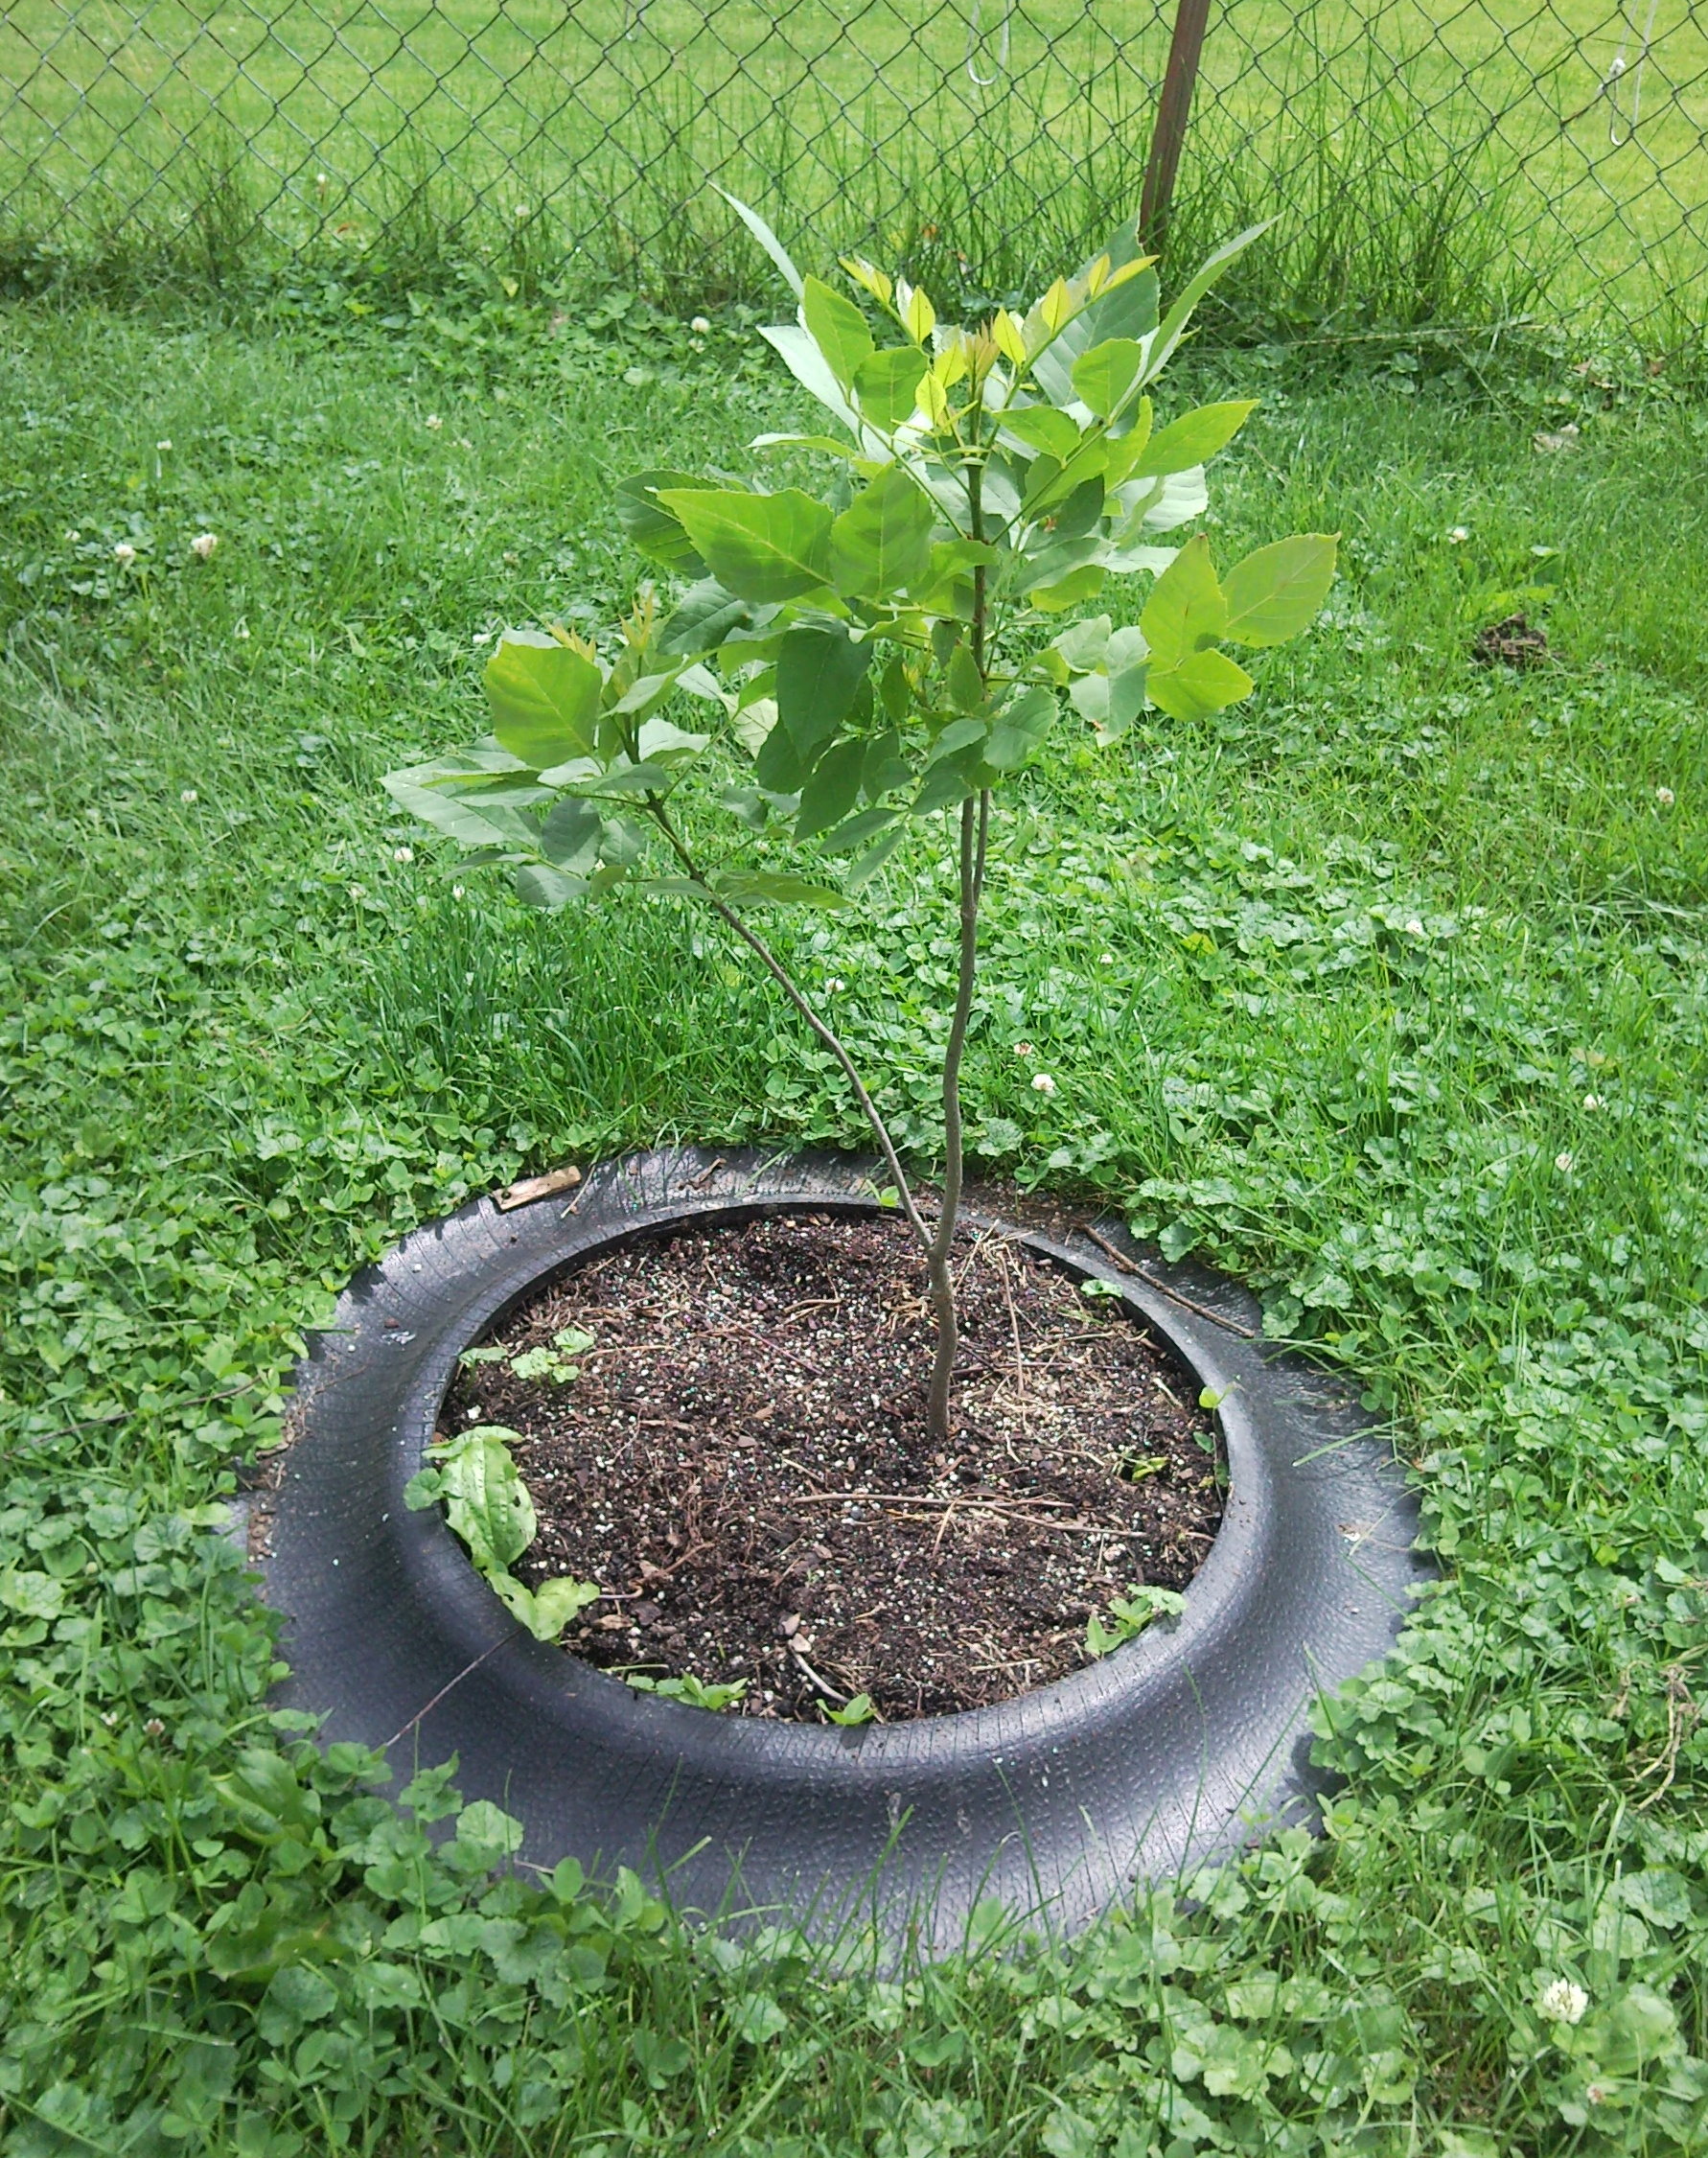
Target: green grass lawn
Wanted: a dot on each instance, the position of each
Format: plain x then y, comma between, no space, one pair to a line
1386,992
1016,132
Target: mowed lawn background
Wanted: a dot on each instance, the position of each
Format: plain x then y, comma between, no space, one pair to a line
602,123
1385,991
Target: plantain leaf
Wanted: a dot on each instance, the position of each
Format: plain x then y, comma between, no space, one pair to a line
881,545
486,1502
1280,589
544,699
762,548
837,327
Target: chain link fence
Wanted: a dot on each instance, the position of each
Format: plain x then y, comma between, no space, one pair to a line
1466,161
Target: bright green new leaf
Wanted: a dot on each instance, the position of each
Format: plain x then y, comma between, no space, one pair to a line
886,384
544,699
1078,585
881,543
1278,591
1197,686
1194,439
547,1610
1105,377
762,548
1042,428
837,327
1187,610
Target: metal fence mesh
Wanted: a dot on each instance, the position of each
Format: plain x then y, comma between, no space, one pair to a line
1455,161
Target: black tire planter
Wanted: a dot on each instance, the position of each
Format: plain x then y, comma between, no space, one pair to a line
1172,1752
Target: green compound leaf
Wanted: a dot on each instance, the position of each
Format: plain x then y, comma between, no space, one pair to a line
1105,377
886,384
837,327
651,528
1200,684
544,699
761,548
881,543
1278,591
1186,611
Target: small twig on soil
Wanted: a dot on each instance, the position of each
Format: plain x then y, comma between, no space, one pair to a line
839,1700
1132,1267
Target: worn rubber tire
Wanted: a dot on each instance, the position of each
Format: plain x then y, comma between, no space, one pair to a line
1169,1752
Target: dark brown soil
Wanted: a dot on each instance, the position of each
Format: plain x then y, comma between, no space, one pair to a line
745,1466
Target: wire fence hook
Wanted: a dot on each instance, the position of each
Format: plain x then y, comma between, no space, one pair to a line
975,37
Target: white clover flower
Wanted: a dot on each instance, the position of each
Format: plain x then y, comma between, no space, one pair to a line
433,422
1665,797
1595,2094
163,447
522,211
835,986
188,796
404,854
1595,1100
1459,535
699,326
1105,958
1023,1049
203,546
1563,1163
457,892
73,536
1042,1083
1562,2002
124,554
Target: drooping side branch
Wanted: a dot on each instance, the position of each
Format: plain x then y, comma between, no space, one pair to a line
786,982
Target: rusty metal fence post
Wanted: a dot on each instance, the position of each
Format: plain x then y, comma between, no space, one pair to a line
1174,110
